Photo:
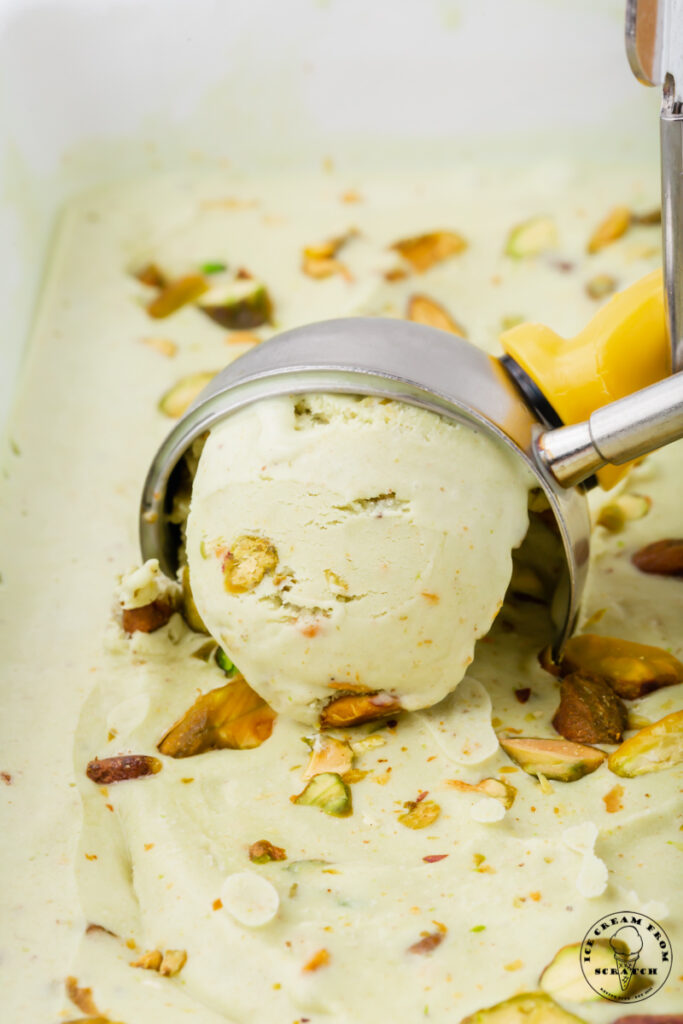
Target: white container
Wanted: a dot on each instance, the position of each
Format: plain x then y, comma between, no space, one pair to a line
92,90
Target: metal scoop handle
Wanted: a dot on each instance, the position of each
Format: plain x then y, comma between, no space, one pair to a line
654,44
616,433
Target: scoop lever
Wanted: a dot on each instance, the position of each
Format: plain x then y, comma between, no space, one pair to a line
616,433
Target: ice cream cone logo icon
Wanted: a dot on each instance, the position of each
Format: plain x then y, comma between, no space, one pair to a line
626,946
626,956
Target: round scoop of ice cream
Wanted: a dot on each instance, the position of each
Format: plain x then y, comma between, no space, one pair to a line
342,543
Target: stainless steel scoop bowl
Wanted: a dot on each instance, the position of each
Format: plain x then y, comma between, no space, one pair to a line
422,366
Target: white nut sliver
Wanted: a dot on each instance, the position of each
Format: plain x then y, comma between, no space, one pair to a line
249,898
461,724
488,809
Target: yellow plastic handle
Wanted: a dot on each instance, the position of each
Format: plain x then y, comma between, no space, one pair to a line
625,347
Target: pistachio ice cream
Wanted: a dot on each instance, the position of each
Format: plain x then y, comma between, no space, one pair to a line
337,543
180,851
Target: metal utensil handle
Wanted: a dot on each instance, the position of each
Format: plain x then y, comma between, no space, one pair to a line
671,134
616,433
654,44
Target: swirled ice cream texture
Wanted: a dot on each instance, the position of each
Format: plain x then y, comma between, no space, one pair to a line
334,540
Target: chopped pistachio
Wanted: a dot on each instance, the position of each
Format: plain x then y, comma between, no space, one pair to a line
320,261
631,669
419,814
511,320
526,1008
224,663
655,748
319,959
367,743
563,978
356,708
177,399
188,608
650,217
613,227
213,268
173,962
600,286
164,346
151,275
615,514
328,792
329,755
80,996
496,788
108,770
149,961
555,759
232,716
423,310
176,294
205,650
589,710
247,562
263,851
424,251
531,238
148,617
239,305
428,943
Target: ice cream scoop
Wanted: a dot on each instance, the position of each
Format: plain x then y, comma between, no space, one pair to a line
339,543
513,400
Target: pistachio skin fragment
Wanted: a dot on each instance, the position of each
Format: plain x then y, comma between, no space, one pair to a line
654,749
526,1008
148,618
632,670
151,275
109,770
356,708
423,310
329,792
613,227
662,558
231,717
427,944
589,710
559,760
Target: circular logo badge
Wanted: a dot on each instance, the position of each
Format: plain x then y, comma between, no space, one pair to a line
626,956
